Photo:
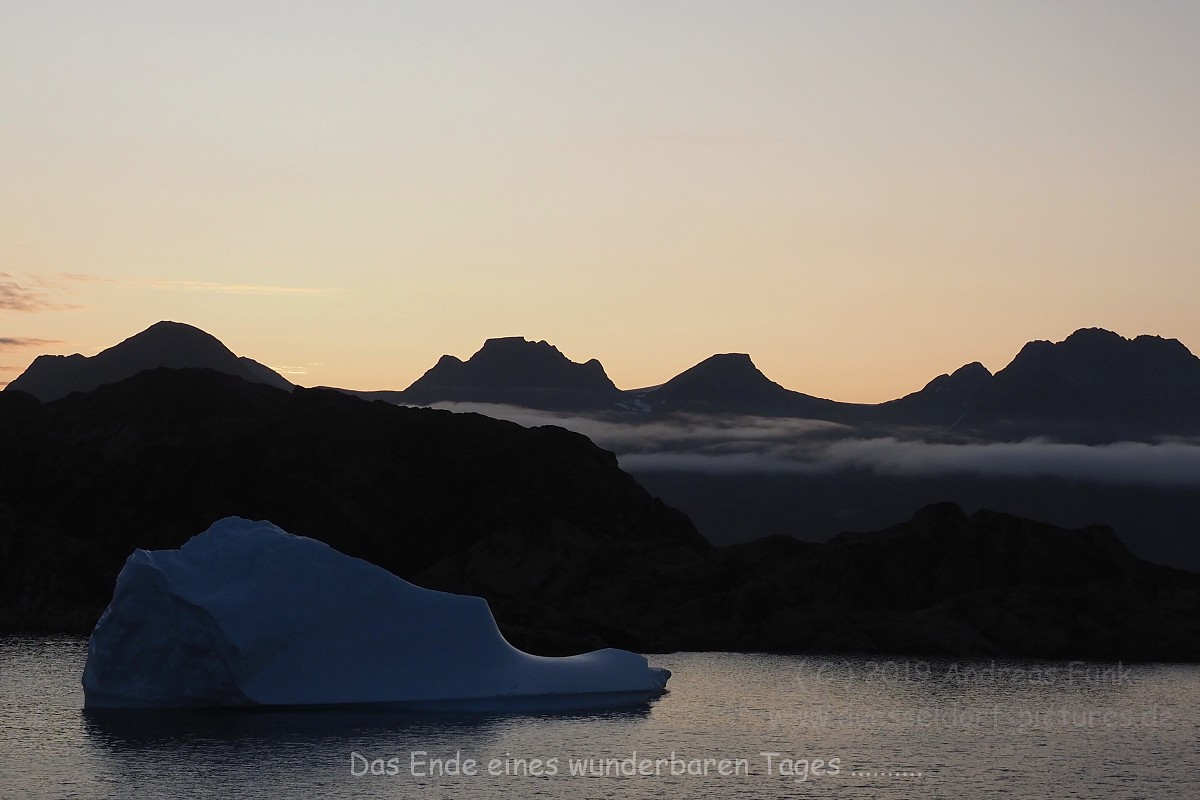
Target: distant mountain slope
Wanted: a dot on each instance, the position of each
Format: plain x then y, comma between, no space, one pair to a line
164,344
1099,375
1157,523
519,372
1093,385
536,375
730,383
947,583
945,400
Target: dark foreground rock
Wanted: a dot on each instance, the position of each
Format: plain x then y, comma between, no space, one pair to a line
569,551
153,460
947,583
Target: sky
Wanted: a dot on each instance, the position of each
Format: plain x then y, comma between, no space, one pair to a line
860,195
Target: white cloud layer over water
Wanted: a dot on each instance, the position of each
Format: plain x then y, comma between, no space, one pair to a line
697,443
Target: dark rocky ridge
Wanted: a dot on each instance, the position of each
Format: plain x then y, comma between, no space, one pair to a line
1095,385
163,344
945,400
569,550
150,461
1098,375
1157,523
985,584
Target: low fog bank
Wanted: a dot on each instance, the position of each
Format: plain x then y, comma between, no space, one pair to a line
765,445
741,478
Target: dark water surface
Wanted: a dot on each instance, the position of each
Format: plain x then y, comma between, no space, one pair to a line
880,728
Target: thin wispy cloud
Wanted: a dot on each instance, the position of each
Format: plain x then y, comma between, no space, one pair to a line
15,297
1168,463
693,139
13,342
244,288
82,278
29,293
284,369
1123,463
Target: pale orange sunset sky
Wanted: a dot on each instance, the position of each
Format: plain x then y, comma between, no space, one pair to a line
860,195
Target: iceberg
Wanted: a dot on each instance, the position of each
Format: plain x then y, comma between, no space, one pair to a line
246,615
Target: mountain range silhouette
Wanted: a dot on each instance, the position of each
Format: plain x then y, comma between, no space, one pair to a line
1094,386
164,344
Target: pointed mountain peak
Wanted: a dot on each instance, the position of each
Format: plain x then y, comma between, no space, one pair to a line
968,377
724,374
448,361
971,372
730,383
945,400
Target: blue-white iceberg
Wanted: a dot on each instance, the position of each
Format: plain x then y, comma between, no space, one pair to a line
246,614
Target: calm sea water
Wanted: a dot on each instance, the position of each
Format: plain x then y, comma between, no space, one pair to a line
852,728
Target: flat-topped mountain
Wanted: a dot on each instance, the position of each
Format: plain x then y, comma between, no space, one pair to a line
516,371
164,344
